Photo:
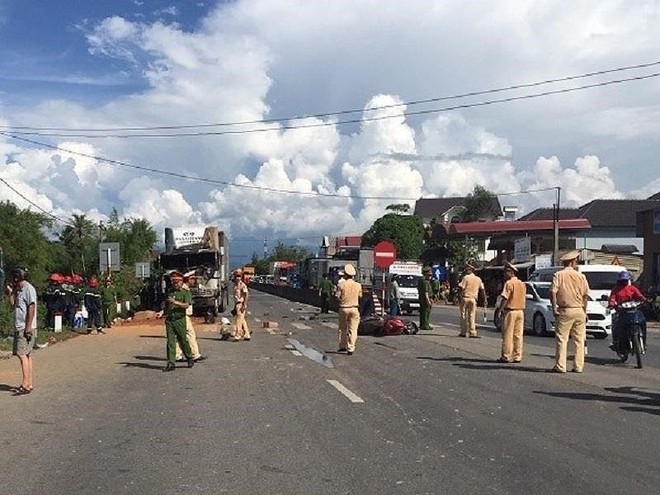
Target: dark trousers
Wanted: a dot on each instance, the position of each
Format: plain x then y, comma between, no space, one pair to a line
424,317
325,303
176,332
94,317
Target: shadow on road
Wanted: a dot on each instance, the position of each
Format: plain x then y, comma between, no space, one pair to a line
7,388
635,400
153,336
142,365
150,358
488,364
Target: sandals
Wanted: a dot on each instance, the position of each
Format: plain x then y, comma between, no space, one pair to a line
21,390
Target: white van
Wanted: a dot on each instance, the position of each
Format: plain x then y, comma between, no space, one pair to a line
601,278
410,273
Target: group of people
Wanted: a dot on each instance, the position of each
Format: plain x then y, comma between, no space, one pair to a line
180,331
90,305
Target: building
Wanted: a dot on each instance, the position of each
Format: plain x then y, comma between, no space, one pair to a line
613,223
648,227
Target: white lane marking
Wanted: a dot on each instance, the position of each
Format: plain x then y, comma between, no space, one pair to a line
258,320
301,326
296,353
289,346
329,324
351,396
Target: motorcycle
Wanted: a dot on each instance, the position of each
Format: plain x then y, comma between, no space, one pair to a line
632,331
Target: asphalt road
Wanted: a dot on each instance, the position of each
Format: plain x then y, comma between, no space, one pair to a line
599,352
285,414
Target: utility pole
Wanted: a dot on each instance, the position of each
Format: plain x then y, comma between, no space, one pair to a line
555,252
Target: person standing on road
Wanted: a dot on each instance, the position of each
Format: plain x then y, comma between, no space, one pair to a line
395,296
569,295
349,293
23,299
325,293
241,329
175,306
512,307
425,302
190,332
471,286
92,300
108,302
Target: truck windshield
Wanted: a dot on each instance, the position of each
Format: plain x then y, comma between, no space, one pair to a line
408,281
186,260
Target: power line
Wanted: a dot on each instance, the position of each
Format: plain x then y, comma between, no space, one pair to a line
51,215
341,112
350,121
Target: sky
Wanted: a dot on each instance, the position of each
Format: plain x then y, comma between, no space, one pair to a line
296,119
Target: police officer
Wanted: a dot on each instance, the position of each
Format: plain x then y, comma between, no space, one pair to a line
349,293
325,293
425,303
174,310
470,286
569,295
512,307
241,296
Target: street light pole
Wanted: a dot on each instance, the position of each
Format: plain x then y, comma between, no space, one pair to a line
555,252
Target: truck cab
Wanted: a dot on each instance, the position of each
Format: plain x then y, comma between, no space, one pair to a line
410,273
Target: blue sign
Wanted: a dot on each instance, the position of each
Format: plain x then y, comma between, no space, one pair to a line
439,272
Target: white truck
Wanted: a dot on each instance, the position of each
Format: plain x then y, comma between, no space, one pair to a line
200,253
410,273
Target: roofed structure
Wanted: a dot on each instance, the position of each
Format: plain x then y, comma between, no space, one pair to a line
438,208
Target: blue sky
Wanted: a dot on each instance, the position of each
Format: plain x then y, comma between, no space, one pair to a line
114,64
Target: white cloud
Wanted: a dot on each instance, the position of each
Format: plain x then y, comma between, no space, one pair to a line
256,59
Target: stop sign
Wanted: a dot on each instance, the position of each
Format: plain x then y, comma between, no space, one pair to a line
384,254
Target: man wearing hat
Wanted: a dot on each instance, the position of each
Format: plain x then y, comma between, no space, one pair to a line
92,300
424,292
349,293
175,306
512,307
471,286
569,295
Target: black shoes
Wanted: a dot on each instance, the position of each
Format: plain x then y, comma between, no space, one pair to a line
504,361
350,353
200,358
191,363
169,367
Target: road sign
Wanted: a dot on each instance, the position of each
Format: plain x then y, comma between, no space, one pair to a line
384,254
142,269
109,256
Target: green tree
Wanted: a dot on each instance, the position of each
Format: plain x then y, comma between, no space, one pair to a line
294,254
404,231
398,208
24,242
479,205
461,252
80,240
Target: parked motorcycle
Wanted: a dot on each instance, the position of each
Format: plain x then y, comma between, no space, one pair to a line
632,331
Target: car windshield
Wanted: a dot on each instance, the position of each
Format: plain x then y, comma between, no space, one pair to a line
543,291
408,281
601,280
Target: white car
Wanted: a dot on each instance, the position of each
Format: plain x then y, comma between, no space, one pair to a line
539,319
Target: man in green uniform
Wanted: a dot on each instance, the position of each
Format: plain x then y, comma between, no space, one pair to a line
108,302
175,306
424,290
325,292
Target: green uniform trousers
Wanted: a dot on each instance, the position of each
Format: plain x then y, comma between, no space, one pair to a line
424,317
176,331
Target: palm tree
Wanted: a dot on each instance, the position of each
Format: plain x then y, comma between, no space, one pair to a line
79,237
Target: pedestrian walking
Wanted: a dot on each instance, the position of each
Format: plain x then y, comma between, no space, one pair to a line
512,307
325,293
569,294
349,293
241,296
425,303
190,332
174,310
471,286
395,296
94,306
23,299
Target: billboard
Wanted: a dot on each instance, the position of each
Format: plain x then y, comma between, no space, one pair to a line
185,236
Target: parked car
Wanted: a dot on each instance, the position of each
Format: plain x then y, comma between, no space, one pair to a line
539,319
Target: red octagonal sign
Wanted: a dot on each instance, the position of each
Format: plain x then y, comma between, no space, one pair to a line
384,254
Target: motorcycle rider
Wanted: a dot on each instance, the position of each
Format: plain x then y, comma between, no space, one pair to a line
622,292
